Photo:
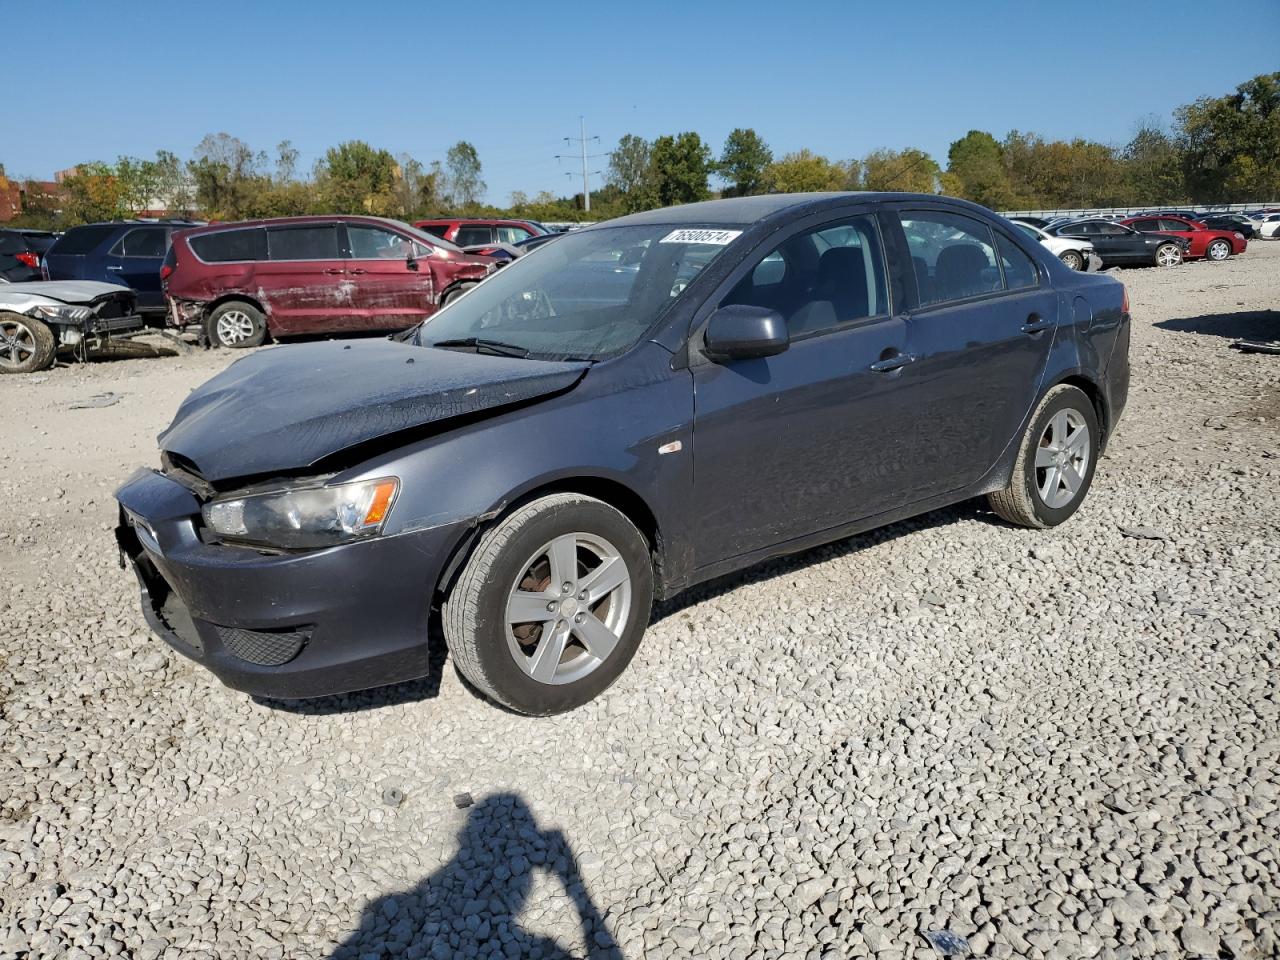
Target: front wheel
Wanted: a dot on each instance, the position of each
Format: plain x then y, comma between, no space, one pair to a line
1218,250
454,293
26,344
1055,462
551,605
237,324
1168,255
1073,260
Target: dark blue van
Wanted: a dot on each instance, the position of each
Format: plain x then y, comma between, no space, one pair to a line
129,253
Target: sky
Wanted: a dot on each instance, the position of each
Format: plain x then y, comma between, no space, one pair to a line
840,78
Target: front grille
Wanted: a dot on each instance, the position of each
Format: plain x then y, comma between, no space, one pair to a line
113,306
267,648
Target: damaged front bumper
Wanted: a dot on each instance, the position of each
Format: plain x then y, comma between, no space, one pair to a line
282,625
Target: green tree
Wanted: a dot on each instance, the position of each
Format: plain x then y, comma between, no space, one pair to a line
743,161
1231,144
354,177
804,171
975,163
910,169
1153,166
463,187
93,192
678,169
628,172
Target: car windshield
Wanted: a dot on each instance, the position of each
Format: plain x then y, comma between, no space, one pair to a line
590,295
430,239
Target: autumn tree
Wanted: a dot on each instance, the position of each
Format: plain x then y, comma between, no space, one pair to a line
805,171
977,172
354,177
910,169
462,185
1231,144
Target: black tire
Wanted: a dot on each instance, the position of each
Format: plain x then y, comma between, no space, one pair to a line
1022,502
236,324
475,613
26,344
453,293
1218,251
1166,252
1072,259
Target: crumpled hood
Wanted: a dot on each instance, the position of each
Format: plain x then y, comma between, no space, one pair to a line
283,409
23,295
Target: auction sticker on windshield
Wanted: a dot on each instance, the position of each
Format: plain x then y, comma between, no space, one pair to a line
718,237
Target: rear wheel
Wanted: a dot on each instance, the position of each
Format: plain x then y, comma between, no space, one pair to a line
1218,250
237,324
1168,255
1055,463
1072,259
26,344
551,605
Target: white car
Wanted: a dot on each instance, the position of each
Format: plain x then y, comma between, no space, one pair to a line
39,317
1075,253
1268,226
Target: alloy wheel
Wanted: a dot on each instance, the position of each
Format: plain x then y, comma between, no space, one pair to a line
568,608
234,326
1062,458
1219,250
17,343
1168,256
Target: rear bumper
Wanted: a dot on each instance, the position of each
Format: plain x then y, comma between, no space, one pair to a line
282,625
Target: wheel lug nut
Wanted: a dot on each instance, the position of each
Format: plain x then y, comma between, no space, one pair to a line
551,607
582,595
567,587
579,618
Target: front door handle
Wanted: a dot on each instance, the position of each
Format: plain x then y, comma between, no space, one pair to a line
333,272
896,362
1036,324
115,268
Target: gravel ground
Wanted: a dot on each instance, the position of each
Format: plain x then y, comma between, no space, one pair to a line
1054,744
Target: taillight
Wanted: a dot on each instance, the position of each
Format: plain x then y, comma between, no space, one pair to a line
1124,304
32,260
166,271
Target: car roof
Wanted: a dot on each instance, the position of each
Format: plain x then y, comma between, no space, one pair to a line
744,210
290,221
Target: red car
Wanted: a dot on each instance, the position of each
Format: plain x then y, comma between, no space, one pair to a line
476,232
244,281
1205,241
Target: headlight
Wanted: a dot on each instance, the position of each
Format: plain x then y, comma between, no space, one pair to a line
59,312
1239,236
305,517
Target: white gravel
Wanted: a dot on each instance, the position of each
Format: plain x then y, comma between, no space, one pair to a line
1055,744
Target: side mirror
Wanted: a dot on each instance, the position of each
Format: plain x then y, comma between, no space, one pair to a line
742,332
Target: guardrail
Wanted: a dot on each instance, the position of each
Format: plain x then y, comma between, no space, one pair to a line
1138,211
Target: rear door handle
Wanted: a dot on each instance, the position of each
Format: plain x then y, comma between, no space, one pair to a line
357,271
1036,324
113,267
896,362
332,271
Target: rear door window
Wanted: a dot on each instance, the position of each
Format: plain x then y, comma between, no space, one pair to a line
471,236
1019,269
142,242
953,256
312,242
231,246
512,234
81,240
1175,226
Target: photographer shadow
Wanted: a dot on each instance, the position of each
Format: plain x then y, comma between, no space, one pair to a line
471,906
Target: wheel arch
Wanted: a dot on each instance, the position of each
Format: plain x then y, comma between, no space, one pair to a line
239,297
1094,392
616,494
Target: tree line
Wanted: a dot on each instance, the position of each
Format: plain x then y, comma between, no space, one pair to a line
1215,150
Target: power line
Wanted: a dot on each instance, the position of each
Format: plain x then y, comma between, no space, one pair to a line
582,141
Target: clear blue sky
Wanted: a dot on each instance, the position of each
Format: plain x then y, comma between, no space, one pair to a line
512,77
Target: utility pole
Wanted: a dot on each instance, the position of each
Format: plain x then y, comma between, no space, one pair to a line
582,139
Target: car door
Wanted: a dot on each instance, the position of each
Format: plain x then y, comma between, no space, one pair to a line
303,282
389,288
816,436
135,261
979,330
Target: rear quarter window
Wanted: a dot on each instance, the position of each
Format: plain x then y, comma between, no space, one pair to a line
81,240
227,246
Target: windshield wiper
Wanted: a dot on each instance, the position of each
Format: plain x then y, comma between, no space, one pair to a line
480,343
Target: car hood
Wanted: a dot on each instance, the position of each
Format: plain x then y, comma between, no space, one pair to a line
61,291
284,409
